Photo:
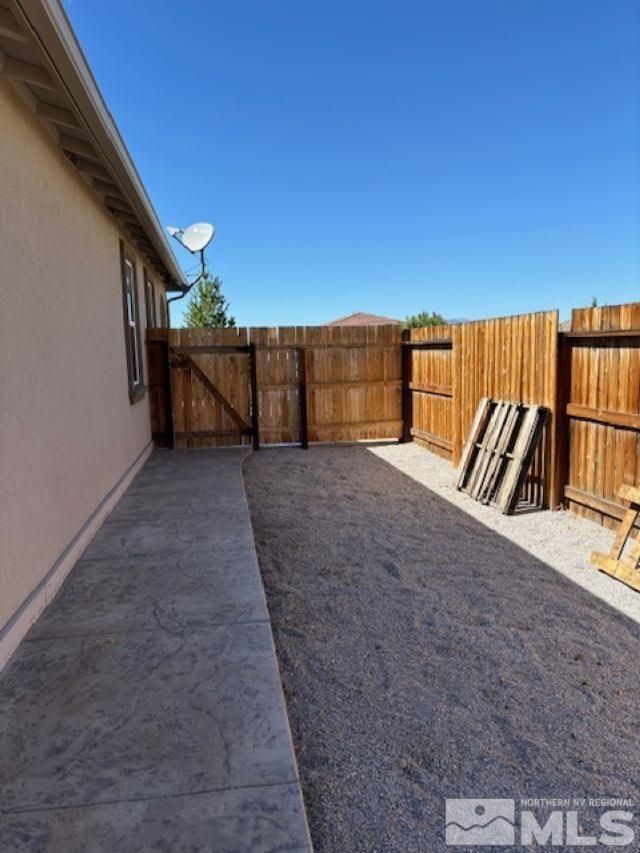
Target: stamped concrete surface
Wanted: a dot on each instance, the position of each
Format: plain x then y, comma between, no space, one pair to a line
144,710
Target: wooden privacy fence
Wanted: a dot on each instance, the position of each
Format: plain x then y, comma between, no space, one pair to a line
311,383
213,387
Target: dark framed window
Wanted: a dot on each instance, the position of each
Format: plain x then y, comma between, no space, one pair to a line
150,301
132,325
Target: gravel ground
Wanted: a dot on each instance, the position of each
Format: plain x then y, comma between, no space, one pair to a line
431,647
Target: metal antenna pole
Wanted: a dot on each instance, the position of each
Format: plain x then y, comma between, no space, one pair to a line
203,270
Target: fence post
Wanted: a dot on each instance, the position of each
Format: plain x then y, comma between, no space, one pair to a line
255,421
457,440
560,463
159,383
407,396
168,402
302,397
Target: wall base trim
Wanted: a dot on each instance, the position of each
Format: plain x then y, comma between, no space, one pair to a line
32,607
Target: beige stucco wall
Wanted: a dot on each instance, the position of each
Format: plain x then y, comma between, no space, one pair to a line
67,429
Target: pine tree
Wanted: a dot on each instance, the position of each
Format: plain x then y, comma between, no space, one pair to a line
417,321
207,307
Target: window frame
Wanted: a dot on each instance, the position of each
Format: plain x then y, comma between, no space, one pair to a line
150,300
164,313
132,333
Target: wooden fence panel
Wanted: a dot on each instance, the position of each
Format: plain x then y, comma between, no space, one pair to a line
353,381
603,410
508,358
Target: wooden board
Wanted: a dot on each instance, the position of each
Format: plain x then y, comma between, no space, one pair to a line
624,567
499,452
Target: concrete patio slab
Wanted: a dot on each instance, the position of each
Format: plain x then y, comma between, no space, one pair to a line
186,537
176,591
234,821
144,709
143,714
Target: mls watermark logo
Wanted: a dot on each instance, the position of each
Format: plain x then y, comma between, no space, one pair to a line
480,822
542,822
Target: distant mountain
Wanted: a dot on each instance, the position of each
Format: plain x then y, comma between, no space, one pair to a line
457,320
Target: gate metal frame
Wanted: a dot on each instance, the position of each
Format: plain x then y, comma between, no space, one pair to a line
180,357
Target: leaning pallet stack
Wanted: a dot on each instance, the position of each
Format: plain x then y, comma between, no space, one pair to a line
501,445
621,562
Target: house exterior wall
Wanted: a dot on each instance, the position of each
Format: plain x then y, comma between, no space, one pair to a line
70,440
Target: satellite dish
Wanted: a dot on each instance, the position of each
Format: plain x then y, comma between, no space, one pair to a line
195,238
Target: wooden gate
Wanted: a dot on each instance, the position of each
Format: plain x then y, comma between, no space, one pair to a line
202,384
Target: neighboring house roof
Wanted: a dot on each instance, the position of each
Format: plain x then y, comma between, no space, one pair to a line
565,326
41,55
360,318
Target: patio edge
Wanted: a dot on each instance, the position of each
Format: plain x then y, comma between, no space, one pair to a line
243,459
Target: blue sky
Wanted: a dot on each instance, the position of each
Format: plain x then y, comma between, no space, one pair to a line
472,157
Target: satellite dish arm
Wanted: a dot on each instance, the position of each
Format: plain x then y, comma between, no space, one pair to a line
201,275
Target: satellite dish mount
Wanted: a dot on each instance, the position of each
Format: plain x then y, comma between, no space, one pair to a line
194,239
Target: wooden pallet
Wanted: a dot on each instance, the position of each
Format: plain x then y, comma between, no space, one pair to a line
501,444
625,569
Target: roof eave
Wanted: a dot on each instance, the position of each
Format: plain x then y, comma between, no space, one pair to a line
52,29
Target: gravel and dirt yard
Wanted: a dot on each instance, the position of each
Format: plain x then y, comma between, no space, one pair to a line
430,647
